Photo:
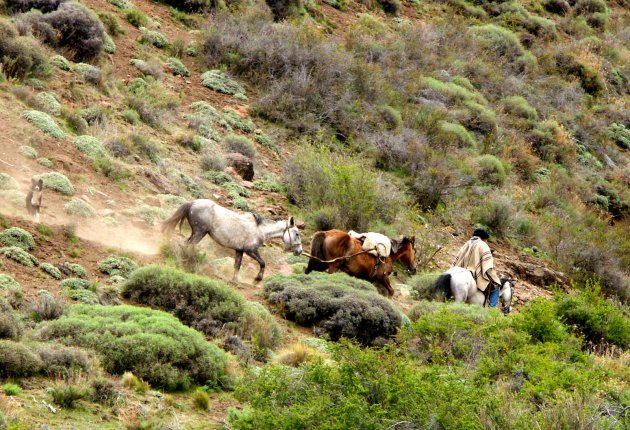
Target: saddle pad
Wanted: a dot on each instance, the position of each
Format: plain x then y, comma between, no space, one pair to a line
377,244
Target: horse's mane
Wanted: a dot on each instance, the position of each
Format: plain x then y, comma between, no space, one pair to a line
258,218
398,243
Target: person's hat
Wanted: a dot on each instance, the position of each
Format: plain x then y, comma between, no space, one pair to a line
481,233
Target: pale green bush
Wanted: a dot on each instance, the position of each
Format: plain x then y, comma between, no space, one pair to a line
177,67
517,105
57,182
236,121
61,62
108,44
117,265
45,162
453,134
219,81
7,182
90,146
16,236
49,103
28,151
80,208
8,283
51,270
154,38
44,122
18,254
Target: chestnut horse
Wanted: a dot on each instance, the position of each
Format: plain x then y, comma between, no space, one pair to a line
350,258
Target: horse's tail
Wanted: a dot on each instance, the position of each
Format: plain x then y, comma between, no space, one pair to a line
178,217
317,251
442,286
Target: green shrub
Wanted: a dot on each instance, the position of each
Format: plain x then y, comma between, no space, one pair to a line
453,134
87,297
266,141
496,215
500,41
61,62
80,208
110,21
121,4
391,117
7,182
75,284
594,317
11,389
268,184
66,395
56,182
10,324
18,254
491,170
90,146
337,306
152,344
16,236
74,269
131,116
44,122
136,17
619,134
28,151
213,163
109,45
51,270
240,144
8,283
17,360
219,81
236,121
117,265
21,56
152,37
539,320
104,391
517,105
45,162
177,67
47,307
319,179
49,103
207,305
421,286
201,399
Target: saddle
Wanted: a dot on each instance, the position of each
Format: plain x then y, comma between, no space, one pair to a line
375,244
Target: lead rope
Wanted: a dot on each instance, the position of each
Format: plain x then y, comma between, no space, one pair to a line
334,259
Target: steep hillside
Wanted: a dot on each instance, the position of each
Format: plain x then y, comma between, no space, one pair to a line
417,118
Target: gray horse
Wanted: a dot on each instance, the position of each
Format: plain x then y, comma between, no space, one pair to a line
243,232
459,284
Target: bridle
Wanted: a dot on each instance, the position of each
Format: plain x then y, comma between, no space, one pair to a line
285,231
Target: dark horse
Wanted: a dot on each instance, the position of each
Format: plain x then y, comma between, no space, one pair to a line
351,259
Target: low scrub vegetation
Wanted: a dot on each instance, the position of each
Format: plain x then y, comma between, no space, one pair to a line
117,265
16,236
19,359
152,344
316,178
208,305
336,306
57,182
478,368
44,122
21,56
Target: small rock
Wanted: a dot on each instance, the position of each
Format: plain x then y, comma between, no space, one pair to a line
86,199
300,224
247,184
188,82
105,212
216,196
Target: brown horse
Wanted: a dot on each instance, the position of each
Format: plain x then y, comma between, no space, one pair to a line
350,258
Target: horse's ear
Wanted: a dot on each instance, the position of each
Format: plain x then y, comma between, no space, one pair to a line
413,240
291,221
40,184
33,182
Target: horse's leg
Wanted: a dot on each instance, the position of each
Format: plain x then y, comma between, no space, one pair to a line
256,256
195,237
238,259
384,280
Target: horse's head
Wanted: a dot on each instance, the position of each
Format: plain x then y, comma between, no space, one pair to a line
506,294
291,237
37,185
406,253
